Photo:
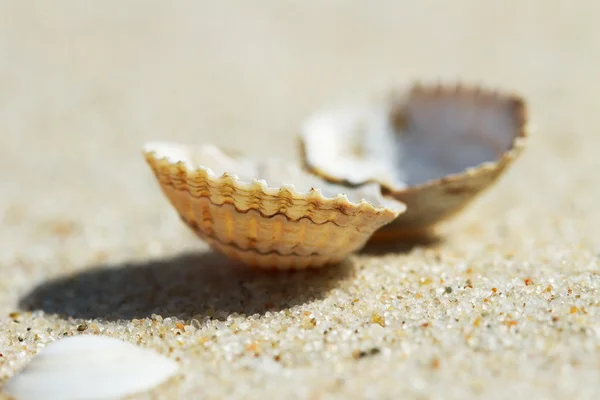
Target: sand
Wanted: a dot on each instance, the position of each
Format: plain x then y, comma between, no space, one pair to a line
504,305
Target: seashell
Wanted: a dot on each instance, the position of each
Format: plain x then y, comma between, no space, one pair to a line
272,214
90,367
434,148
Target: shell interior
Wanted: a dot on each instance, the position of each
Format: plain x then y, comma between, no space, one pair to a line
427,135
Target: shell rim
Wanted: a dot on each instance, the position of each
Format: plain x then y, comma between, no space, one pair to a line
149,151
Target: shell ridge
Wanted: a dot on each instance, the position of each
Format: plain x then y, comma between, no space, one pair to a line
200,188
263,253
234,181
263,215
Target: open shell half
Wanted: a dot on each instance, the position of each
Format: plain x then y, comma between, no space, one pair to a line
267,214
433,148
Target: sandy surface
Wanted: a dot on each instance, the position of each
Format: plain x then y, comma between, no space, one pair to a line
506,305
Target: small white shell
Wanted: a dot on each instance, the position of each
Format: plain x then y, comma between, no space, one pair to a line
90,367
273,214
433,149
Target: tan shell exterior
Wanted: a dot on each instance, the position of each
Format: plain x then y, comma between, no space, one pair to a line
435,201
263,226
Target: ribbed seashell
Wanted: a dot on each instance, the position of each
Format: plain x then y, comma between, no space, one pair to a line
267,214
434,148
90,367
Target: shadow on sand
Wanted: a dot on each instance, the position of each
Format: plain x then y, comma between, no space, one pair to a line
192,285
400,245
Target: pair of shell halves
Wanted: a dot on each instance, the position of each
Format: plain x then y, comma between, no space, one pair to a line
383,169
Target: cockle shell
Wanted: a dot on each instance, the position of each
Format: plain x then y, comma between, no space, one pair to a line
267,214
433,148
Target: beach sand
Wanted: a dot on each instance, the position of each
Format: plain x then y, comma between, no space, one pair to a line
504,305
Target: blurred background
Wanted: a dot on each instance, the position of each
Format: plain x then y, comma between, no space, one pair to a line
84,84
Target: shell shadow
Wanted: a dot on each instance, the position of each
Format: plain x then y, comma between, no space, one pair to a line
187,286
399,245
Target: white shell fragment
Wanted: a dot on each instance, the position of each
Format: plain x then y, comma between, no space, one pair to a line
353,144
90,367
434,148
268,214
